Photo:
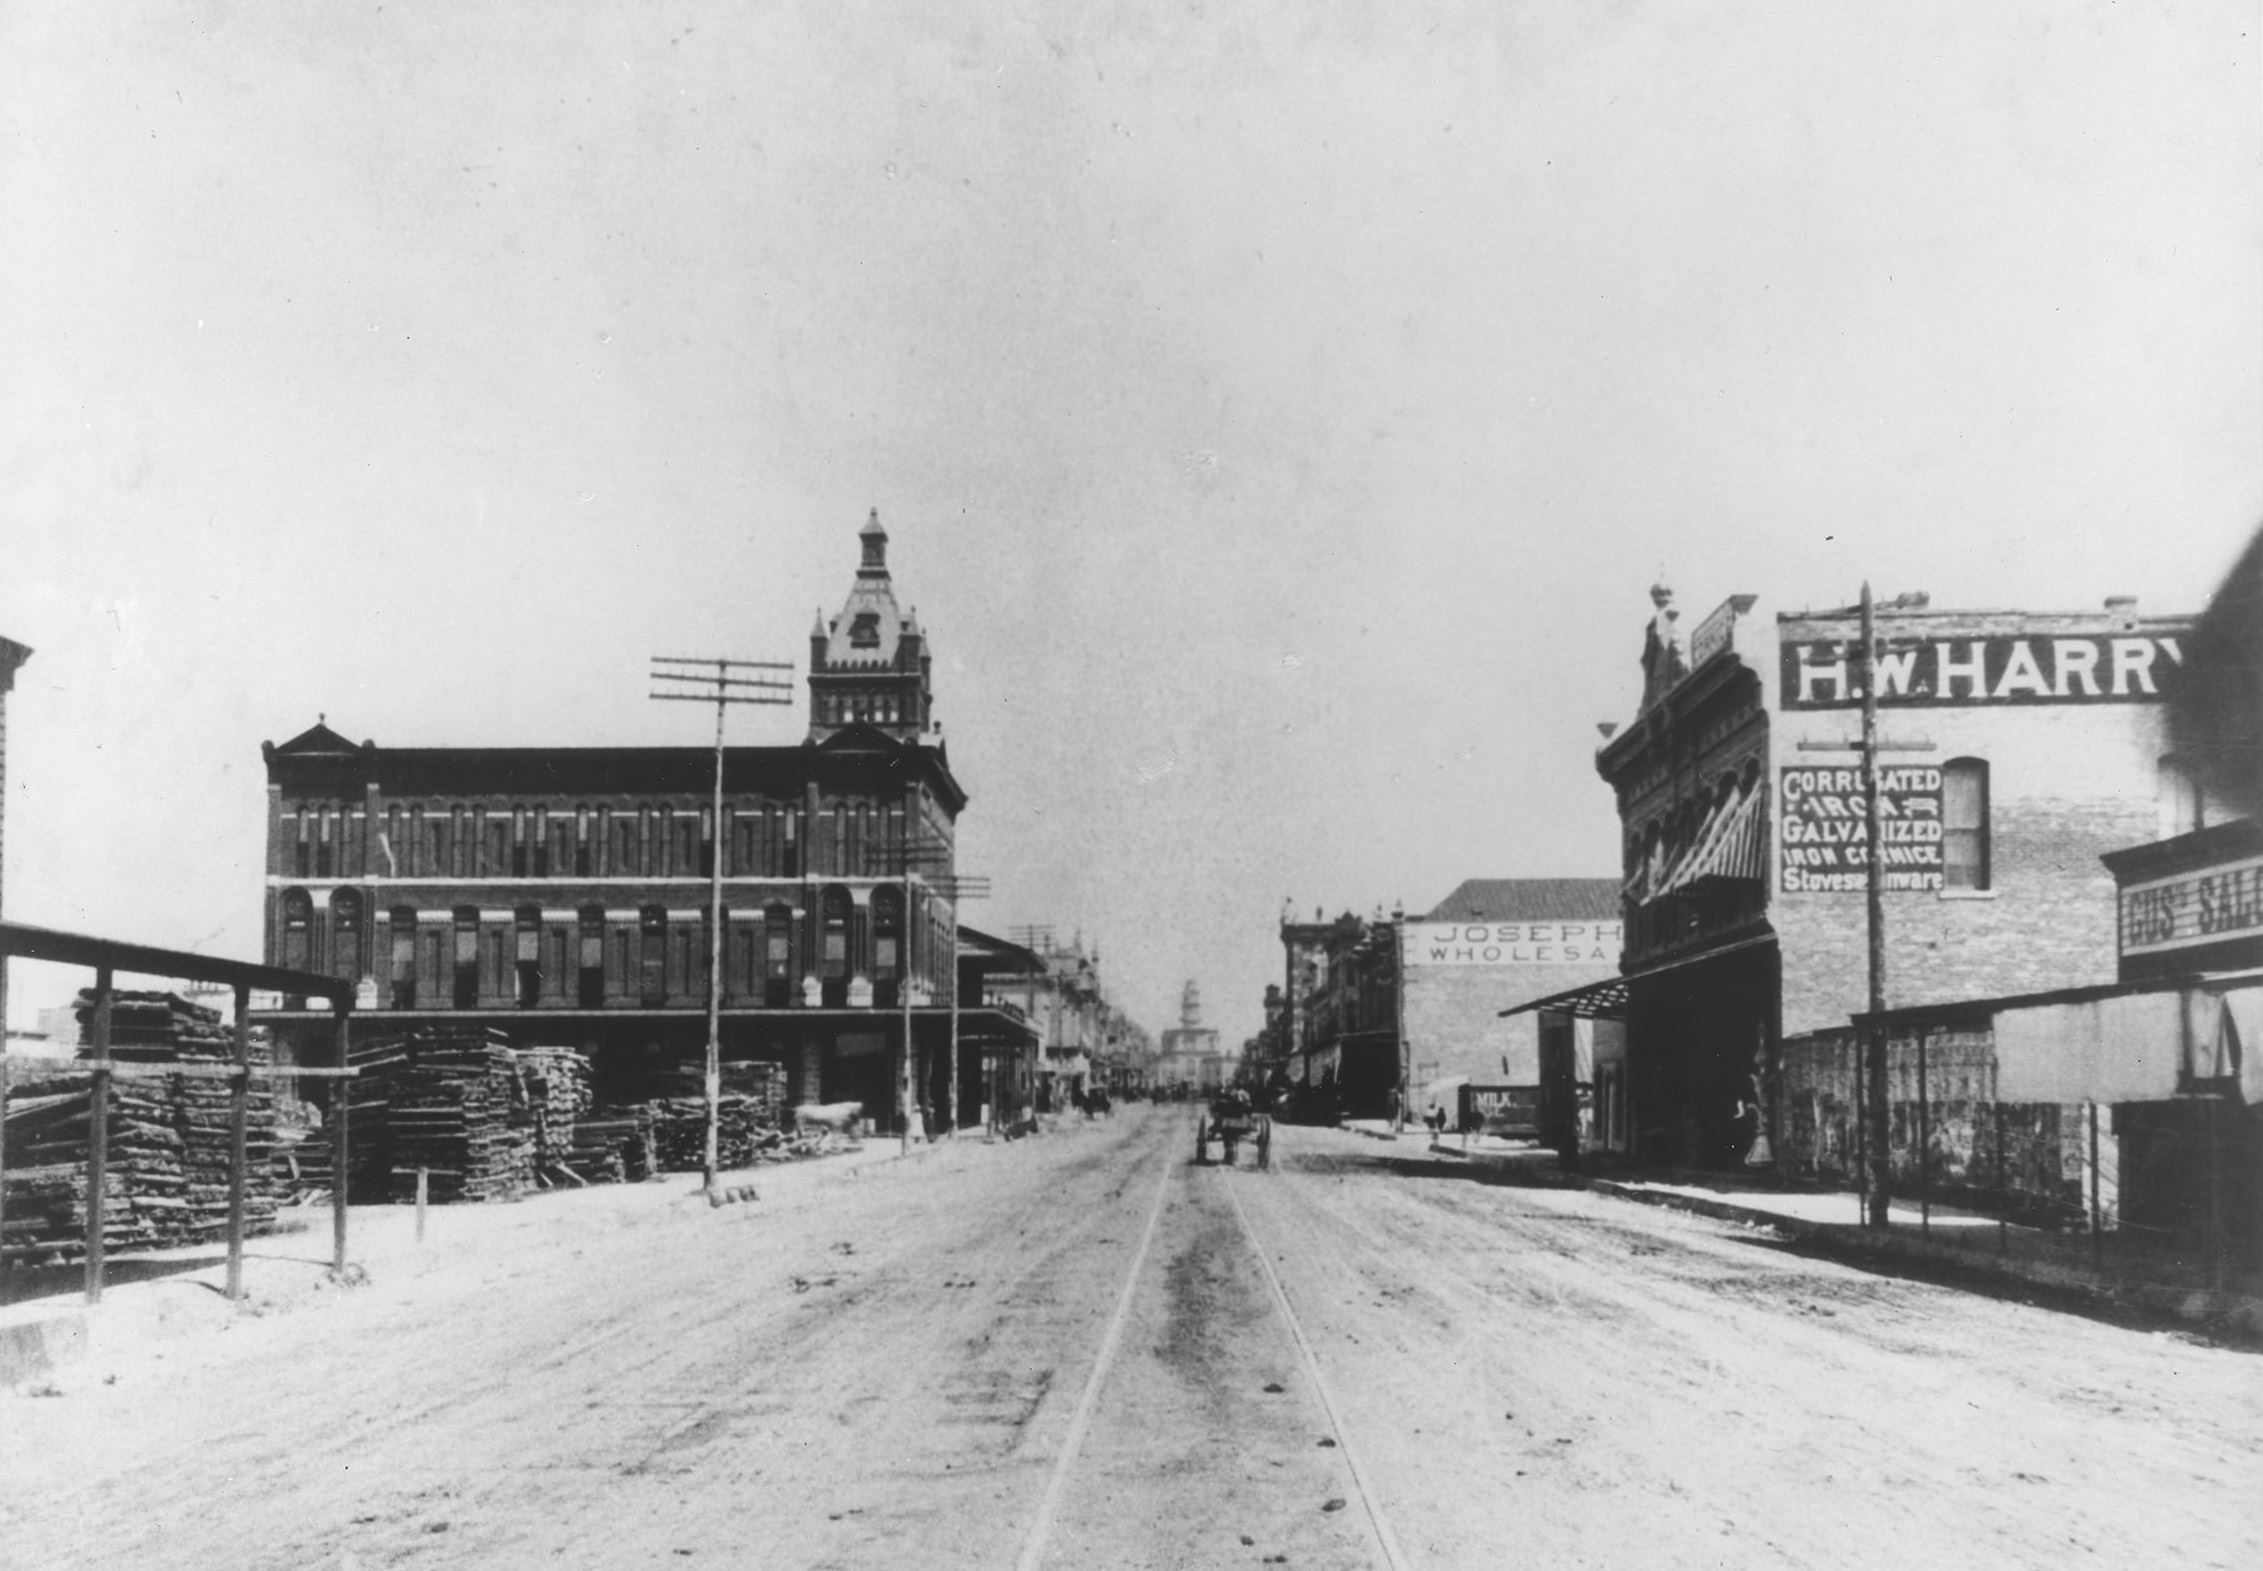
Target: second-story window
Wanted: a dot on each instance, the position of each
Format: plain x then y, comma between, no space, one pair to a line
777,956
298,930
592,970
584,862
1965,851
345,935
403,973
466,990
528,956
653,961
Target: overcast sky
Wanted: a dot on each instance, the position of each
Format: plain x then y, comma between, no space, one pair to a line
1280,411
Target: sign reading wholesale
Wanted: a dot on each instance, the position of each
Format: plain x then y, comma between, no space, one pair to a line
1512,943
1826,829
2196,908
2079,669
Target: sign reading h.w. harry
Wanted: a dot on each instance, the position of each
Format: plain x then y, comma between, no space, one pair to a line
2079,668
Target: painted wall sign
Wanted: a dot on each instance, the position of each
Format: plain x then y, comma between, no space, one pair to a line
2193,908
1512,943
2040,669
1824,829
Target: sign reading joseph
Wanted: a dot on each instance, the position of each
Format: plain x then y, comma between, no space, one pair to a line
1826,829
1512,943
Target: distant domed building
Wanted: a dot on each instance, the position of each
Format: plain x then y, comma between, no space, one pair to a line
1190,1055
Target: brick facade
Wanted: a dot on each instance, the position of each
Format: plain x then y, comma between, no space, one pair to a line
562,894
2031,745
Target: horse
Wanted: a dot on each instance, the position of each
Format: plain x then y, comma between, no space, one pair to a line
827,1118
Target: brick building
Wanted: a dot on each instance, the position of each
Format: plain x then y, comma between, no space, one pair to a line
2016,748
561,894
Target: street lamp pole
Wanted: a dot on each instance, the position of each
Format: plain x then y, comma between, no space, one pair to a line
703,686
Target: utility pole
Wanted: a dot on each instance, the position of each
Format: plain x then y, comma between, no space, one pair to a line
1874,895
709,681
933,864
1399,1014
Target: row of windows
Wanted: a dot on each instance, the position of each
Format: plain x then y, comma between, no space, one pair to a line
849,840
468,962
875,708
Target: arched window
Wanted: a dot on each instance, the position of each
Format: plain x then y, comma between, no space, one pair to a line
345,935
1964,824
298,930
2178,798
402,972
835,911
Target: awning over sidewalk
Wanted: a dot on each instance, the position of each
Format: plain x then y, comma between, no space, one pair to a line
1607,999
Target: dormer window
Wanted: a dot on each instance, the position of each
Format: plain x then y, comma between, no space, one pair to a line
864,632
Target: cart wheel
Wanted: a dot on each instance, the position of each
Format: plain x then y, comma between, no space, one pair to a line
1265,1144
1201,1141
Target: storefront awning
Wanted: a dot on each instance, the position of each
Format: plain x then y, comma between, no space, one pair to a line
1607,999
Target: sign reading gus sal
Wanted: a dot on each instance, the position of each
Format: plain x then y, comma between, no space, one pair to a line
1512,943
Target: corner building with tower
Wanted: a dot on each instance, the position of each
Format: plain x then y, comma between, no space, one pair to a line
560,895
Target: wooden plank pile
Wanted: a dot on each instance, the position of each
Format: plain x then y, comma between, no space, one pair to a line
557,1085
616,1146
168,1140
457,1107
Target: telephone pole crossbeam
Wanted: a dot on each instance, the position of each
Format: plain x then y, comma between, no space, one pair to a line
712,683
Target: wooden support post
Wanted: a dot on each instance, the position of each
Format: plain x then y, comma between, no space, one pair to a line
340,1115
1874,900
1924,1138
423,1188
98,1135
2096,1219
2003,1185
3,1151
239,1143
951,1090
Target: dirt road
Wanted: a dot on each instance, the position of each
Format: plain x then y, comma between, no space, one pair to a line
952,1361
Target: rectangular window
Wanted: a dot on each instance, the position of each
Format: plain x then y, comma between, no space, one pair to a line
1964,824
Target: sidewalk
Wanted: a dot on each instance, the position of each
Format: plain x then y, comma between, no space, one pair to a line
2115,1270
157,1294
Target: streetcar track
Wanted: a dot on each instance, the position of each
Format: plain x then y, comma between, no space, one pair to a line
1048,1506
1385,1541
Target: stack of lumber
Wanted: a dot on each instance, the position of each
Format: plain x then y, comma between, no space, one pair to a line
168,1139
144,1204
616,1145
457,1108
557,1086
680,1132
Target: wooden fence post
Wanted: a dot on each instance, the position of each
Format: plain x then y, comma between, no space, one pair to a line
339,1106
239,1143
98,1135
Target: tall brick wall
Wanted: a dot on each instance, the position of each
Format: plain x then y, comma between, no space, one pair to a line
2066,783
1453,1017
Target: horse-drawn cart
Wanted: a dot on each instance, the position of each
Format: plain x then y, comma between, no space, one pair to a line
1230,1120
